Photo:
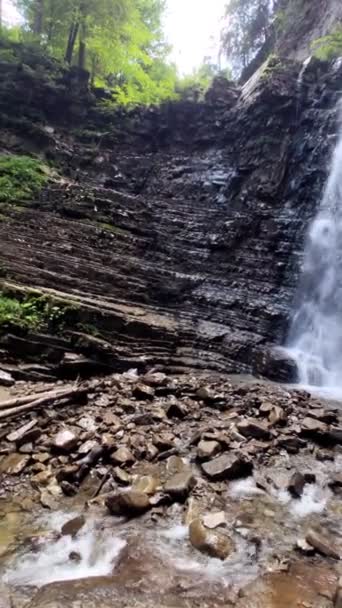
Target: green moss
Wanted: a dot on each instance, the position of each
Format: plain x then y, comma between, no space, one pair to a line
111,228
21,178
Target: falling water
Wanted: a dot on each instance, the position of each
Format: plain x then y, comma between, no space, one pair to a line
315,339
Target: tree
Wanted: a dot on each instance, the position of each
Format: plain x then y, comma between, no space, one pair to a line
246,31
118,41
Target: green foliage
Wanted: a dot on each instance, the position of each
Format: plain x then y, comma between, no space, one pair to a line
21,178
120,42
329,47
30,313
194,85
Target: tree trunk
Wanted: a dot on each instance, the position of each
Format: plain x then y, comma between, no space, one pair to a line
82,37
73,32
38,17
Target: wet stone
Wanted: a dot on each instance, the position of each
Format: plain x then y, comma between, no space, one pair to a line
298,482
121,476
212,543
73,526
148,484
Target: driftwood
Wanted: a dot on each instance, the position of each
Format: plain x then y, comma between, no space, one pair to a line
54,397
15,401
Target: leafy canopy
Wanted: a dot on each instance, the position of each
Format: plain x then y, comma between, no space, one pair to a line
120,42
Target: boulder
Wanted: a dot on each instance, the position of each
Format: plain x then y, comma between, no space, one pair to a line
227,466
128,504
215,544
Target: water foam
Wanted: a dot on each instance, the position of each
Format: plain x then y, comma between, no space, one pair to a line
96,549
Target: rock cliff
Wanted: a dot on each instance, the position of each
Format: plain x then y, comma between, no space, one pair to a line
175,232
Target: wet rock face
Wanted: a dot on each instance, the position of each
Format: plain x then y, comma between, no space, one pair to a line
180,234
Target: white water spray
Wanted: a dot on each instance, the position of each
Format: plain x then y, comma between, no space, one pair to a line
315,340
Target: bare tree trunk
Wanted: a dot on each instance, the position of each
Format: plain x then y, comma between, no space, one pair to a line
82,38
73,33
38,17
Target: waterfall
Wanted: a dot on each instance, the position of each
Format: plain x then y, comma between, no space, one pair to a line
315,339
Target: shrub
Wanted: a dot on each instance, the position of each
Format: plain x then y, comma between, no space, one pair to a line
21,178
329,47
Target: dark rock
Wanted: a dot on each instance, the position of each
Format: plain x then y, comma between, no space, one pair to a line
252,428
143,392
73,526
227,466
297,483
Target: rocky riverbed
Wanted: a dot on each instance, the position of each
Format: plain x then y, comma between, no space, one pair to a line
181,491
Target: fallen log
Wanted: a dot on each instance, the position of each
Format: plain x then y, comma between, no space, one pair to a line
4,405
53,399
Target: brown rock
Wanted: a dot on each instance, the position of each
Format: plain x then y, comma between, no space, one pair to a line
322,544
192,511
87,447
177,410
227,466
143,392
338,595
215,544
175,464
122,456
65,441
179,486
14,464
252,428
128,504
73,526
335,483
208,449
